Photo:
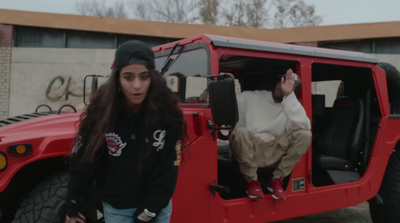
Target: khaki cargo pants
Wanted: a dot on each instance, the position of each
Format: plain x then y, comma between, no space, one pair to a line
253,150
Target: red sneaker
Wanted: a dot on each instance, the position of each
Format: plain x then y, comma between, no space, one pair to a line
275,187
254,190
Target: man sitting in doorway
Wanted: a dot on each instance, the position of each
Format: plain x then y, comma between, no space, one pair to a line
273,131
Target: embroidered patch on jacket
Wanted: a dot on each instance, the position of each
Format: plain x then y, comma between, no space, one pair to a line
78,145
114,144
178,150
159,139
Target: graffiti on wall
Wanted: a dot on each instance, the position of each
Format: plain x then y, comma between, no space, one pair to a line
62,88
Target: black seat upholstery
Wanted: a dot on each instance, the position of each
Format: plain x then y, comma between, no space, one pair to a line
340,144
318,114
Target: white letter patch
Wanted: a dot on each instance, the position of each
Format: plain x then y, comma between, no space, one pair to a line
159,140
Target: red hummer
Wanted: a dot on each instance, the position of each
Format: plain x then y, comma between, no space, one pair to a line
351,99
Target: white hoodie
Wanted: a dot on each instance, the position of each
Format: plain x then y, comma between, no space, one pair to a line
258,112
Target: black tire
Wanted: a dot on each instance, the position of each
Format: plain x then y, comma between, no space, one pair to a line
389,211
45,203
393,84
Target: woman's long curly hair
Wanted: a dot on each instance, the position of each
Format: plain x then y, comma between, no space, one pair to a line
109,102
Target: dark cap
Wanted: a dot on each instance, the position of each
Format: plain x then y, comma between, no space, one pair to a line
133,52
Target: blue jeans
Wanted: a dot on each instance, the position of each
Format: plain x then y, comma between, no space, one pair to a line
115,215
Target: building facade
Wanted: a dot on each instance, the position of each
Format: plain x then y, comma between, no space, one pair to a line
45,57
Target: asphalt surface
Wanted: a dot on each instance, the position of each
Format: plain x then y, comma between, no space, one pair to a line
355,214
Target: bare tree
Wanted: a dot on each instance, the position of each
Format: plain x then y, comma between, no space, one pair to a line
99,8
208,12
140,9
179,11
295,13
234,15
256,13
248,13
245,13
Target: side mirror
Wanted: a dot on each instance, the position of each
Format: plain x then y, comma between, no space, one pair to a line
223,104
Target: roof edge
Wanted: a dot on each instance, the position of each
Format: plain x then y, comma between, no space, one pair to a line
179,30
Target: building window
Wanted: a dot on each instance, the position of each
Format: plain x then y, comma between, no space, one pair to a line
61,38
78,39
39,37
30,38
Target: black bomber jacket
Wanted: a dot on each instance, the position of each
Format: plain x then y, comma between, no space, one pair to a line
119,177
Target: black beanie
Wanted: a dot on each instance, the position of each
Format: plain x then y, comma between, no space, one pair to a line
133,52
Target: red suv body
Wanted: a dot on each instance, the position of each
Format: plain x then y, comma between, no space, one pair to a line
351,99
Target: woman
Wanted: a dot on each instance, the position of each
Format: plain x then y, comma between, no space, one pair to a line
128,144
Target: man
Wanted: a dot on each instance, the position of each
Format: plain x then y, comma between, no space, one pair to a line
273,131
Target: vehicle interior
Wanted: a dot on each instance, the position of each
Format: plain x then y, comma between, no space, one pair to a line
345,118
345,125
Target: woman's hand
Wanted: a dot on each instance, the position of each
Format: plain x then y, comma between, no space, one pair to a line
80,219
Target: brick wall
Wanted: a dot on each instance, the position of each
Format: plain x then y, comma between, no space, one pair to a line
5,68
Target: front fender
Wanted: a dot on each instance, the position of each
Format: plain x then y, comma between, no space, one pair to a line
54,145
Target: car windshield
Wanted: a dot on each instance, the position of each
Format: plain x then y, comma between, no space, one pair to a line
187,75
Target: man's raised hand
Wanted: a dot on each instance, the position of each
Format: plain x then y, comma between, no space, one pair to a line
287,82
